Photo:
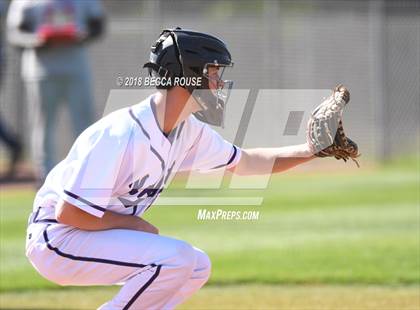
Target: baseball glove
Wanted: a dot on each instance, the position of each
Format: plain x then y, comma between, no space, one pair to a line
325,132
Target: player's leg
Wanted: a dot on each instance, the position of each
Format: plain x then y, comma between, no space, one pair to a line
80,102
151,267
199,277
14,146
43,101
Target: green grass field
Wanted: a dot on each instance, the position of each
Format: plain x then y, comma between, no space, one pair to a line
323,241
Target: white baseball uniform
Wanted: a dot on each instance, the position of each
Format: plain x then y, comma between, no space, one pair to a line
121,163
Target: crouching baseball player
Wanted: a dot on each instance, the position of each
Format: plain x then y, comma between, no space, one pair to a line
86,226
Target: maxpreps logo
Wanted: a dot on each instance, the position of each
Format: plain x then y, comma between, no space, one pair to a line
255,118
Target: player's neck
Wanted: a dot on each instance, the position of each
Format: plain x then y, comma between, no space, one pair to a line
172,108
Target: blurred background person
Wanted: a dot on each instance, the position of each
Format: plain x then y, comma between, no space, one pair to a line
55,66
9,139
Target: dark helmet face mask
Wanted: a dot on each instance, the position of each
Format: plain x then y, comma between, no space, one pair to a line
213,94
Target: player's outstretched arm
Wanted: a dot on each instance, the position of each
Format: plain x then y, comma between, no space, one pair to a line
260,161
68,214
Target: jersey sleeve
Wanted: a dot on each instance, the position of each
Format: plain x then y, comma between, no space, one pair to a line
97,170
210,152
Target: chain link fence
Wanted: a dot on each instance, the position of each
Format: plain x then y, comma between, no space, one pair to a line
372,47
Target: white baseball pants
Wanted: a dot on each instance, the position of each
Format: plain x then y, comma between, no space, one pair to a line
156,272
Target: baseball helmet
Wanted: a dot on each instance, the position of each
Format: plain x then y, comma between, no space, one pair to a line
180,53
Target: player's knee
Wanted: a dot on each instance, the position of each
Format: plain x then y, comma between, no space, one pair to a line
203,265
184,256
